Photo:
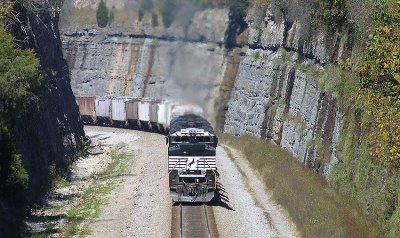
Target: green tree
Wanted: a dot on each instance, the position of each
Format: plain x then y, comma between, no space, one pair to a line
145,6
239,6
333,13
102,14
140,13
19,79
19,76
111,18
13,177
169,9
380,68
154,19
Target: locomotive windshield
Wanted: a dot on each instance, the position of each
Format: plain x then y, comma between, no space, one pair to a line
191,139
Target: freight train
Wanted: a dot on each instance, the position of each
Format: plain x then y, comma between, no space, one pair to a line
190,138
141,113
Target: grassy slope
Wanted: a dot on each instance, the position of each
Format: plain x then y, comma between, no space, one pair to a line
317,209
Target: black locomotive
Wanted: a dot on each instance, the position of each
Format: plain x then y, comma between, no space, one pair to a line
192,167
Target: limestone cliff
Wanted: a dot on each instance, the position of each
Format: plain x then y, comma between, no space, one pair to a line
182,62
274,98
246,87
282,103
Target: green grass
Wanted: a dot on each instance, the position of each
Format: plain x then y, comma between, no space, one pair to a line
60,181
86,16
315,208
257,55
95,196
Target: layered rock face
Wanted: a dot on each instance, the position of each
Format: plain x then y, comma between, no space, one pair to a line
48,134
244,90
295,31
184,64
272,98
281,103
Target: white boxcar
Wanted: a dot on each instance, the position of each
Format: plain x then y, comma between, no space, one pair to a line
144,110
164,113
103,107
154,111
131,107
118,110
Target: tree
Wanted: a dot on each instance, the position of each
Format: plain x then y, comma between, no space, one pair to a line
19,79
154,19
140,13
102,14
379,69
19,76
111,18
145,6
169,9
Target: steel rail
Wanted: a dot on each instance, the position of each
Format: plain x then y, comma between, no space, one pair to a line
180,221
208,227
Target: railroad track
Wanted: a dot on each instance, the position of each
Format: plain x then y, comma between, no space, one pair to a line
193,221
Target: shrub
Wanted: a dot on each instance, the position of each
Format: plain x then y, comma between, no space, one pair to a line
19,78
257,55
140,13
154,19
111,18
13,177
145,6
102,14
333,13
169,9
239,6
379,73
383,136
380,69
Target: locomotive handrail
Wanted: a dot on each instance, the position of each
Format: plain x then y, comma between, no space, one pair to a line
169,182
215,181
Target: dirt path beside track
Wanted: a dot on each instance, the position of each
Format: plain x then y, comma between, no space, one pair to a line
140,206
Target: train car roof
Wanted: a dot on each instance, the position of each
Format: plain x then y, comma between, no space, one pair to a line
190,121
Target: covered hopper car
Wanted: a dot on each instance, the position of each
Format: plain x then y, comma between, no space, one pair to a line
142,113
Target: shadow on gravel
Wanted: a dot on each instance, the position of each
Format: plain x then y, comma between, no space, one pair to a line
221,198
61,197
117,176
47,218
